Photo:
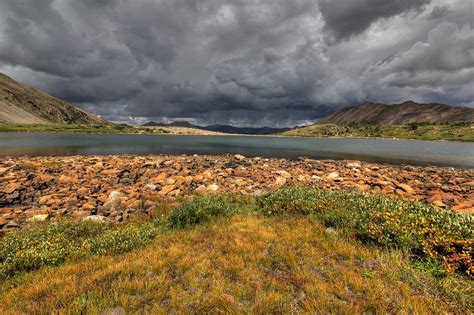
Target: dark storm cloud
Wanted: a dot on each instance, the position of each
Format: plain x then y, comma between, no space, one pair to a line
439,11
346,18
268,62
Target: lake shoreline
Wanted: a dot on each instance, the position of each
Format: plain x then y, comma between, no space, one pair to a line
238,135
117,188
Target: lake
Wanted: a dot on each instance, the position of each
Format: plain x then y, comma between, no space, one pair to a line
372,150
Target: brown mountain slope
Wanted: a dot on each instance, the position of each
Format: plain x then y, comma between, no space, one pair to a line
399,114
22,104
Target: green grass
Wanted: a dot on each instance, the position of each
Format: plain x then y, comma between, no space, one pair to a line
296,249
77,128
422,131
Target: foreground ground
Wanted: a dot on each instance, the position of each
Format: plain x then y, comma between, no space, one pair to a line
294,250
449,132
116,188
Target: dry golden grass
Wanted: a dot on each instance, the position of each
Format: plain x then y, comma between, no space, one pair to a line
250,264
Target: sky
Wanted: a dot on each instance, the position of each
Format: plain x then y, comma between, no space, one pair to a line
243,62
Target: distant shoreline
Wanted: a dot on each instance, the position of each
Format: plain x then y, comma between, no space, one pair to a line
448,133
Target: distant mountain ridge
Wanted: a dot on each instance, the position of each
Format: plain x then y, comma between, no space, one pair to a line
183,124
399,114
221,128
23,104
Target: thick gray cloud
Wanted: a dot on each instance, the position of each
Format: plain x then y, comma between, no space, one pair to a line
246,62
347,18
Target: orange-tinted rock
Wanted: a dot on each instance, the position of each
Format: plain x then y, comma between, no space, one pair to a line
11,188
406,188
167,189
45,177
88,207
439,203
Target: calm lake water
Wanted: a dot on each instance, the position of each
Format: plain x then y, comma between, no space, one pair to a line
391,151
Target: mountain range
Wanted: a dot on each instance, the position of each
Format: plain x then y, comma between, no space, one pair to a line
221,128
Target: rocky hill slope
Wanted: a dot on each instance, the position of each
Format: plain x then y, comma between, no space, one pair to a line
400,114
23,104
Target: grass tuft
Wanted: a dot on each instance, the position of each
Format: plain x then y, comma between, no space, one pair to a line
206,208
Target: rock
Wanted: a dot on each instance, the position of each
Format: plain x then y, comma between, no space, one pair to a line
166,189
284,174
406,188
79,215
439,203
3,222
44,199
201,190
39,218
381,183
360,188
150,186
280,182
110,172
170,181
63,179
12,225
212,188
113,200
332,175
258,192
83,191
10,188
45,177
239,157
102,198
462,205
354,165
95,218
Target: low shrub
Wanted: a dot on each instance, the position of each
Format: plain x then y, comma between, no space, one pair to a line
293,200
44,245
203,209
118,241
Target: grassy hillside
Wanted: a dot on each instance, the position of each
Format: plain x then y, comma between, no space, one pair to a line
451,132
294,250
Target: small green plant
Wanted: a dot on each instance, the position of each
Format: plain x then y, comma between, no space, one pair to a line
47,245
204,209
118,241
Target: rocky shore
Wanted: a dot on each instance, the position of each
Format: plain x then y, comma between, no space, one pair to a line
117,188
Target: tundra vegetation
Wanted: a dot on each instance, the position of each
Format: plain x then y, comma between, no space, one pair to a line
296,249
416,131
79,128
